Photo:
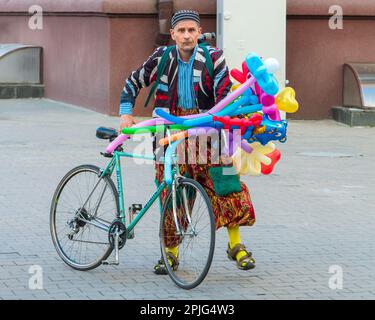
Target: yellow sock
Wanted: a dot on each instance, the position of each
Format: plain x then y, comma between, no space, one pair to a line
235,238
173,250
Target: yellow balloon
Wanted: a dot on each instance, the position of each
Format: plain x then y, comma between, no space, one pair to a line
250,163
286,100
235,87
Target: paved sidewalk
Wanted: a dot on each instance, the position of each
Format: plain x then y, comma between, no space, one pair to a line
316,211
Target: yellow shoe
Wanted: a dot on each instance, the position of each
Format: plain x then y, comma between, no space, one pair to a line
246,262
160,267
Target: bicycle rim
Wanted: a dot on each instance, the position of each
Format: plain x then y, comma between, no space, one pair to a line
76,203
196,242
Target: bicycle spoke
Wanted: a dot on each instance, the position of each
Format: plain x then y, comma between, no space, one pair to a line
83,195
195,249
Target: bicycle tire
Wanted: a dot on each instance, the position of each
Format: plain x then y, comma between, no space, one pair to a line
64,184
179,276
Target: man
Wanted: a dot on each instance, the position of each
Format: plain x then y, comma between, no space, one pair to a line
185,87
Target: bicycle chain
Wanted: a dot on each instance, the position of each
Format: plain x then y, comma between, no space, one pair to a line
117,225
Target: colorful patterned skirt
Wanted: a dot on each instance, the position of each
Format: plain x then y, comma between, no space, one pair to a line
234,209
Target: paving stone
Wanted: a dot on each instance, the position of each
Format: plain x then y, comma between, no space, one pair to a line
315,211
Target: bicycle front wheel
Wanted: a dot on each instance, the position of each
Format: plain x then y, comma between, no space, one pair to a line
189,233
83,207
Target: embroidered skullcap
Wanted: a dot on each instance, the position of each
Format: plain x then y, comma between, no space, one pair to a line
185,15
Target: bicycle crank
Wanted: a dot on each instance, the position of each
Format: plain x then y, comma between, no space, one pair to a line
117,238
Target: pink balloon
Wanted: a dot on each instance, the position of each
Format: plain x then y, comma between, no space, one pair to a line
269,107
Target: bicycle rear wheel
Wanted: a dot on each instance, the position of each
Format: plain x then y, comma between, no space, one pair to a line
83,207
196,240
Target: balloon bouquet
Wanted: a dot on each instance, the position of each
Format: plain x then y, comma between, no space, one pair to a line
251,110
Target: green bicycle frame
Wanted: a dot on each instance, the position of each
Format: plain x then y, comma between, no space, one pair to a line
115,164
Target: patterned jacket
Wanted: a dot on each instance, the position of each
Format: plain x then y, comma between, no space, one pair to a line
208,92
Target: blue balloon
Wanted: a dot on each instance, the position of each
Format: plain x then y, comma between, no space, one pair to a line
248,133
273,131
167,116
254,99
213,124
195,122
266,81
169,161
247,109
244,99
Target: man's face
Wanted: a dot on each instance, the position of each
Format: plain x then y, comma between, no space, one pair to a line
186,34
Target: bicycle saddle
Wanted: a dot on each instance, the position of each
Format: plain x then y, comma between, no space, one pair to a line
106,133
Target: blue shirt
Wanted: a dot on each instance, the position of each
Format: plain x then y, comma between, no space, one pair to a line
185,87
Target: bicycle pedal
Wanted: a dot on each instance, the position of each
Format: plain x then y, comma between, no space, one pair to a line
135,208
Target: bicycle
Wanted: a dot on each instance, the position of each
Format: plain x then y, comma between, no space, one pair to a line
88,210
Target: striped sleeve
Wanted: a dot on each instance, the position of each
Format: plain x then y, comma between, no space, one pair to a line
222,81
138,79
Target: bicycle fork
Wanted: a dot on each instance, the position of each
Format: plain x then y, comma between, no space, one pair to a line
186,207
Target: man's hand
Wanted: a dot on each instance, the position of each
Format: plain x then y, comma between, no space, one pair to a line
127,121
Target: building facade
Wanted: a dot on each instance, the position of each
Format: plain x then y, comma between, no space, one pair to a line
90,47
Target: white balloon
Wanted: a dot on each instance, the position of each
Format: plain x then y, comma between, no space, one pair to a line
272,65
